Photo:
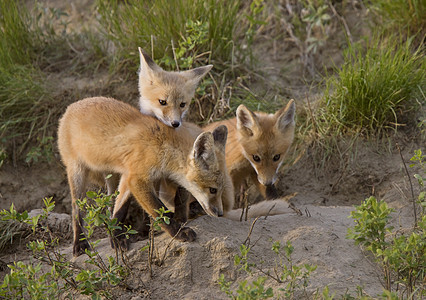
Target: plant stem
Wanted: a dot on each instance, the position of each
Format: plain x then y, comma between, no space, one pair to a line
411,185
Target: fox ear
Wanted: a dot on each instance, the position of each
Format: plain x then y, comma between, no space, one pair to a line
285,118
220,134
203,152
246,121
195,75
148,66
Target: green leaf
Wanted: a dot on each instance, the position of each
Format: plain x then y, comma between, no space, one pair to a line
91,194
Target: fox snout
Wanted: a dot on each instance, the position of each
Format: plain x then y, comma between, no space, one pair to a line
267,181
175,124
173,117
213,211
172,122
217,212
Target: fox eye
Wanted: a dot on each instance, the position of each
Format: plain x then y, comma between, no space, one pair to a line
256,158
213,190
182,104
276,157
162,102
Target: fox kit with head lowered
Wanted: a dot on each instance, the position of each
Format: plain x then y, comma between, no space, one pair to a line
103,135
167,95
256,146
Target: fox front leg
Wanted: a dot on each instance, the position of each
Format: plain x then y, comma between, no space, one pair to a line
77,179
122,202
181,205
151,204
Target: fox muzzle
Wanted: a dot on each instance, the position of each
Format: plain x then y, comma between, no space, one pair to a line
175,124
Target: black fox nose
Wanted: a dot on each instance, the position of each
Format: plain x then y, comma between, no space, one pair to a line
175,124
217,212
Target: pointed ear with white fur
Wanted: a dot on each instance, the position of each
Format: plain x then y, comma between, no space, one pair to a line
203,150
285,118
194,76
247,123
148,67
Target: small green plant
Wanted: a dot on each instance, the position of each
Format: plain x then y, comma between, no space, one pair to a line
155,223
402,253
186,53
374,90
255,19
419,159
246,291
162,218
98,213
64,278
29,281
305,23
294,278
371,229
43,151
201,28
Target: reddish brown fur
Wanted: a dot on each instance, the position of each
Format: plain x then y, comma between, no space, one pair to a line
102,135
266,139
167,189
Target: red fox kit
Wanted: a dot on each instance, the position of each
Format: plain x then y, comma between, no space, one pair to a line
103,135
256,146
167,95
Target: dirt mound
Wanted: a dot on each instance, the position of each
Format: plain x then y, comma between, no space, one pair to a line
192,270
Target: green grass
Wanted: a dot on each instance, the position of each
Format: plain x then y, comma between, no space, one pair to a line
183,34
375,89
154,25
21,84
378,87
402,15
17,40
37,44
34,45
11,231
21,94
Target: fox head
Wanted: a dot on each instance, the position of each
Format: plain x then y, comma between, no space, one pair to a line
265,139
207,171
167,95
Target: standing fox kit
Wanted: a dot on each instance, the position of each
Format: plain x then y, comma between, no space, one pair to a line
167,95
256,146
102,135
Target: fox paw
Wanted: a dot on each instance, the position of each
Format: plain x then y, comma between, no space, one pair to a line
186,234
80,247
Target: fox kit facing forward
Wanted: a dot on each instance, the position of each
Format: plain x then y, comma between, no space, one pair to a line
256,146
167,95
103,135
